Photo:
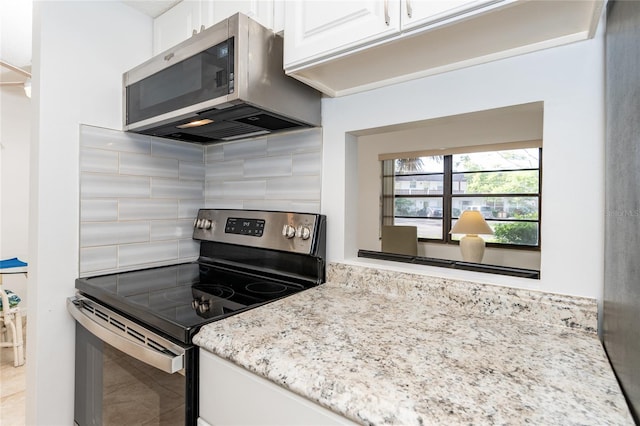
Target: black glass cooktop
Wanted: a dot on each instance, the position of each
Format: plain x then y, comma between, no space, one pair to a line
177,300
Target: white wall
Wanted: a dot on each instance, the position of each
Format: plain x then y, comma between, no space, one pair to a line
80,50
569,80
15,133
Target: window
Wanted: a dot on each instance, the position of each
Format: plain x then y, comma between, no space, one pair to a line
431,191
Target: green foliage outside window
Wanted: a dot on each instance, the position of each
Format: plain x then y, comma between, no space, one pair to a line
505,183
523,233
404,207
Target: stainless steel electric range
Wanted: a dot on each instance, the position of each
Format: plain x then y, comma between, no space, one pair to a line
135,361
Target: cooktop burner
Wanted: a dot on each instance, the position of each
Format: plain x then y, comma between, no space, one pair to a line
220,291
266,288
178,299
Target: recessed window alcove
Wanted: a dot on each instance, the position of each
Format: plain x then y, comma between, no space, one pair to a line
510,133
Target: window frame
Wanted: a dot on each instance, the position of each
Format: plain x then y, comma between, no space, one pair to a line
447,197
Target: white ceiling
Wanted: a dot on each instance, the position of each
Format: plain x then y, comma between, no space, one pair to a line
15,32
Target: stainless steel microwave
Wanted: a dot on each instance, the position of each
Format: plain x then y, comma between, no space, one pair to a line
226,82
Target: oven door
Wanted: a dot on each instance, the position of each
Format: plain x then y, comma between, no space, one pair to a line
127,374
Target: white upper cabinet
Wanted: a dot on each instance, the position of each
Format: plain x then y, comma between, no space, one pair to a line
316,28
178,23
347,47
416,13
259,10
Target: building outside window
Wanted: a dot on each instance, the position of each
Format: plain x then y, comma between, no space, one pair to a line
431,191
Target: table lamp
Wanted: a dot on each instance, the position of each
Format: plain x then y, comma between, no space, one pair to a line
471,223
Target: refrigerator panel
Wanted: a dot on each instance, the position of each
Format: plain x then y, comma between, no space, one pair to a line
621,304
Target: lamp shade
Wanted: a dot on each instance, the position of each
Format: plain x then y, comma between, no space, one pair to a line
471,222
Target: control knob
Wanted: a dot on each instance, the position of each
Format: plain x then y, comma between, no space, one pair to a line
288,231
201,305
303,232
203,223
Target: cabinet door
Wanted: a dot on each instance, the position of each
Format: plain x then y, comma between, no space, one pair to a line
314,28
176,25
417,13
214,11
278,16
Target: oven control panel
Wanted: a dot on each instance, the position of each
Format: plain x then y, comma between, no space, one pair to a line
240,226
294,232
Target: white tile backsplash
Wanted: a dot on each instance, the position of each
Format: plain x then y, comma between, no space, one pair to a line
146,165
243,189
225,170
188,249
146,209
176,188
295,142
268,166
214,153
307,164
114,140
98,160
193,171
113,186
277,172
177,150
140,194
284,205
147,253
225,204
171,229
214,190
294,188
113,233
94,259
98,210
301,206
188,209
139,198
242,150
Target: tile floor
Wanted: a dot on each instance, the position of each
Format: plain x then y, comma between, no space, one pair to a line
12,389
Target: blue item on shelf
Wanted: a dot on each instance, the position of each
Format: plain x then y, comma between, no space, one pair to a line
12,263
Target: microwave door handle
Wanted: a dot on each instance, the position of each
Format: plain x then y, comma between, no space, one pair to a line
169,363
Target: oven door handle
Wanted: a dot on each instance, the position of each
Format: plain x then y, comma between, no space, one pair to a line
125,335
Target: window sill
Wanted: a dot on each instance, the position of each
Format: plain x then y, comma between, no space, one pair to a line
453,264
488,245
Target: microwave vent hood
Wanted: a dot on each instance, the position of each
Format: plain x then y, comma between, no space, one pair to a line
224,83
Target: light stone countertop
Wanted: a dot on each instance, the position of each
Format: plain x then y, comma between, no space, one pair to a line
422,355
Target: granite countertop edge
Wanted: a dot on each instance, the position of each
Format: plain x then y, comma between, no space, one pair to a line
580,313
336,343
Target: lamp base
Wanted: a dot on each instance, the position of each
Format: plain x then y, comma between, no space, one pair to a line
472,248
